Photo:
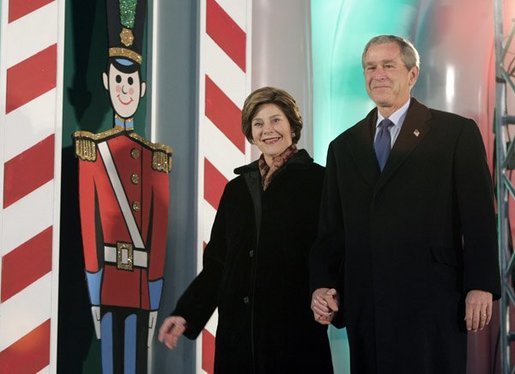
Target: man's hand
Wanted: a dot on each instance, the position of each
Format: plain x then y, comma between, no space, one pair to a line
171,329
478,309
324,304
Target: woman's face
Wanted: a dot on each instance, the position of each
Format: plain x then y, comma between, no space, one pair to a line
271,131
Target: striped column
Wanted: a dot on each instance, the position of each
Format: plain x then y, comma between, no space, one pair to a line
30,144
224,83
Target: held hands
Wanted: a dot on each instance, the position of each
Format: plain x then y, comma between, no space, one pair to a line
324,304
478,310
171,329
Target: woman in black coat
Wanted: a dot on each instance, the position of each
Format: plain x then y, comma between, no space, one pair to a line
255,266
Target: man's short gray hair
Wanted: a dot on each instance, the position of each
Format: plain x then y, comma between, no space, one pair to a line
409,53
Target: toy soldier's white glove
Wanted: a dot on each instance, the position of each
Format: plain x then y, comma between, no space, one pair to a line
152,320
95,312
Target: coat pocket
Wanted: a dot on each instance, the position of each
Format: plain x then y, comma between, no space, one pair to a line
444,255
445,271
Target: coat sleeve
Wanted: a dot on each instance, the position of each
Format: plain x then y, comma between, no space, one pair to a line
327,253
199,301
474,191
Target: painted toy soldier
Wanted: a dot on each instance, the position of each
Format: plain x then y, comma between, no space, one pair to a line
124,199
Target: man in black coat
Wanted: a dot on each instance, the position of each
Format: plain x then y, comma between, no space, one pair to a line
406,255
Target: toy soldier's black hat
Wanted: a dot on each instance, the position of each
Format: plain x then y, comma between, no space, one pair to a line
125,24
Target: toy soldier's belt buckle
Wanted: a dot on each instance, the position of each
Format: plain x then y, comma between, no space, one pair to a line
124,256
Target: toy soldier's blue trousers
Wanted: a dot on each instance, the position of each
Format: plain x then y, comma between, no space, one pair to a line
124,337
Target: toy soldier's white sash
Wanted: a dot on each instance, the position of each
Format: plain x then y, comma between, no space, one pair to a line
123,254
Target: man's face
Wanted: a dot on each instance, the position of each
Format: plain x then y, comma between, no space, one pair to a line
125,91
388,80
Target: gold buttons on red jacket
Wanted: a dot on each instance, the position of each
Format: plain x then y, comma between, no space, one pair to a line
135,153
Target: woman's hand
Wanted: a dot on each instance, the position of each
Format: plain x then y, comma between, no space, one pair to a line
171,329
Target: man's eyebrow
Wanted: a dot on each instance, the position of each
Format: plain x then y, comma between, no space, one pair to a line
389,61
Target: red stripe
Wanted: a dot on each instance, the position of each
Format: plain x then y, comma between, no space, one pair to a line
208,351
224,114
31,78
214,184
28,355
28,171
20,8
26,264
226,33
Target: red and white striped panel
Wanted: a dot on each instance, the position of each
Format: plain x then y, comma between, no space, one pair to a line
31,40
223,86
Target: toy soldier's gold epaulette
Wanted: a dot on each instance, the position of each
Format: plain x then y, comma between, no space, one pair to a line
86,142
161,153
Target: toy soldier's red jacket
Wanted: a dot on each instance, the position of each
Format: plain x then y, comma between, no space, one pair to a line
124,198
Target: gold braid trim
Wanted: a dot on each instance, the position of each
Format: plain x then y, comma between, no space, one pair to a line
162,161
124,52
85,142
161,153
86,149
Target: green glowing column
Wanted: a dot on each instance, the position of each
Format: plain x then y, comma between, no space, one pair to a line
340,30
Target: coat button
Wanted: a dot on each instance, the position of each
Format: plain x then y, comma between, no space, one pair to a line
246,300
134,153
135,178
135,206
251,253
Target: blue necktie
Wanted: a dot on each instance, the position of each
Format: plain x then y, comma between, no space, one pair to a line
383,142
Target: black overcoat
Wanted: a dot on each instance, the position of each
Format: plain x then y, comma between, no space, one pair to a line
404,246
257,275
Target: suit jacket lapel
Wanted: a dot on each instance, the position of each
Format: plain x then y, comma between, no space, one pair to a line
415,128
361,147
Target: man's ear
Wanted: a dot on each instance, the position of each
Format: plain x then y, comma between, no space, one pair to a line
105,79
143,89
413,76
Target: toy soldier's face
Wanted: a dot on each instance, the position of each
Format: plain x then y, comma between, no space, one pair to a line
125,91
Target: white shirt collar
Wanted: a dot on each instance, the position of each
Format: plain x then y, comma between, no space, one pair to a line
396,117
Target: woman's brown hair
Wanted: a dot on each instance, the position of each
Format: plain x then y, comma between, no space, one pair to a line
271,95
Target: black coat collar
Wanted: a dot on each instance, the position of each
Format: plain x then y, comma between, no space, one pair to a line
361,137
